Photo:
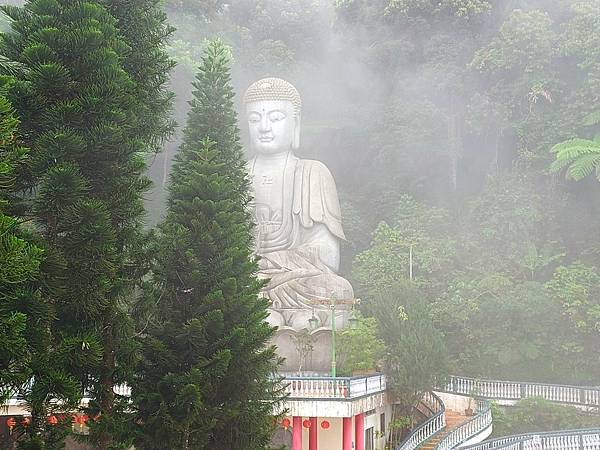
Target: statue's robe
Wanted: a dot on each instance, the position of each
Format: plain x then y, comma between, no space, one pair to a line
288,240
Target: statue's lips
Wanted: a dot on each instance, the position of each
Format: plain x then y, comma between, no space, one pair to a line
266,138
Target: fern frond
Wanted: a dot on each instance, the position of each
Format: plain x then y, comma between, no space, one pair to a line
559,165
592,119
574,148
583,166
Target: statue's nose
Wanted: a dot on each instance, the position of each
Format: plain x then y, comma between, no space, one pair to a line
265,124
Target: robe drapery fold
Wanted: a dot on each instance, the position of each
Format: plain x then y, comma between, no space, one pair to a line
298,277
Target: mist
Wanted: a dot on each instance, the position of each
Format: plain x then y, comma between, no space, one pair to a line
462,136
436,120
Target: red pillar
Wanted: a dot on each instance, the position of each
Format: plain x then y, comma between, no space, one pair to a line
347,433
359,431
312,434
297,433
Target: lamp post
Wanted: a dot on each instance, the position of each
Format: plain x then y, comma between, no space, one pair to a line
410,263
333,361
313,322
333,303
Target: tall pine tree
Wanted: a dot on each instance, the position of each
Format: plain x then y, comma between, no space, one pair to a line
206,380
19,264
90,105
143,26
28,274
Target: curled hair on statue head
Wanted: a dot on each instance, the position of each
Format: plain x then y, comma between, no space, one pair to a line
274,89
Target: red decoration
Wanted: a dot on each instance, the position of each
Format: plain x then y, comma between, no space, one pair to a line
80,420
52,420
307,423
11,422
286,423
26,421
325,424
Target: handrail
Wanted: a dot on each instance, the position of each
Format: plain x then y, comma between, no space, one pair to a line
588,439
342,388
518,390
430,427
474,426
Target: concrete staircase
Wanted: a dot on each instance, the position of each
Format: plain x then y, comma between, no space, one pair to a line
453,420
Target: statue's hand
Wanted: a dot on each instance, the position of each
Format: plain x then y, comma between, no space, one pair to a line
279,278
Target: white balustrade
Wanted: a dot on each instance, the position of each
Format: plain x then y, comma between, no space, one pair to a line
510,390
561,440
479,423
342,388
433,425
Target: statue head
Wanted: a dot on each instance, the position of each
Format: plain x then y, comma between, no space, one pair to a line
273,110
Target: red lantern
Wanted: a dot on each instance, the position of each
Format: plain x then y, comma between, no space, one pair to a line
26,421
52,420
286,423
80,420
325,424
307,423
10,423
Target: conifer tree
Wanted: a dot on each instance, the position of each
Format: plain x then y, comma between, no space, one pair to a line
206,379
144,28
28,346
82,113
19,264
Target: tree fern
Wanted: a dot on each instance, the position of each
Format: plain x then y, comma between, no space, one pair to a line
578,158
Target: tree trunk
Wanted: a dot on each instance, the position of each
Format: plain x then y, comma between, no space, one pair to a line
107,394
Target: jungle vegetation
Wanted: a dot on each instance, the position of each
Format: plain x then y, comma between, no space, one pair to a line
466,131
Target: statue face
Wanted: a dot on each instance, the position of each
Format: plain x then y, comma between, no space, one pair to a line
273,126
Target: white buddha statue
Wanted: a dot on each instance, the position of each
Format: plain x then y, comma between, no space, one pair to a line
296,209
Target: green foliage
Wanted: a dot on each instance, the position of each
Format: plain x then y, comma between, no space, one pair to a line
580,158
90,104
524,41
144,28
427,230
358,347
538,415
27,344
416,359
205,379
460,8
576,287
19,264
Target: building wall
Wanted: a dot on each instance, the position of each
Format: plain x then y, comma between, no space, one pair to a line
331,439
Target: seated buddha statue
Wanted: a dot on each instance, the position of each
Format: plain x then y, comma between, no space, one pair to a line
295,208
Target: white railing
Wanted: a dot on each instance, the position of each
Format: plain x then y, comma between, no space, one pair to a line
511,390
306,387
468,430
119,389
559,440
432,426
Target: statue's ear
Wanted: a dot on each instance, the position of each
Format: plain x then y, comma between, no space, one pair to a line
296,141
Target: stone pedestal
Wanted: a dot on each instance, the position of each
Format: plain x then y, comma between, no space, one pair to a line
307,350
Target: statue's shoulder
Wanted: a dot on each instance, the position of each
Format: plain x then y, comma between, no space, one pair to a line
316,197
312,167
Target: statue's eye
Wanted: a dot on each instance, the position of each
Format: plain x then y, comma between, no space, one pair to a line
254,117
276,116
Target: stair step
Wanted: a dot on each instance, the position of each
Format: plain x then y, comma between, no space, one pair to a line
453,420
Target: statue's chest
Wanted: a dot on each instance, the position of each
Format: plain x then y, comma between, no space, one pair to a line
267,184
